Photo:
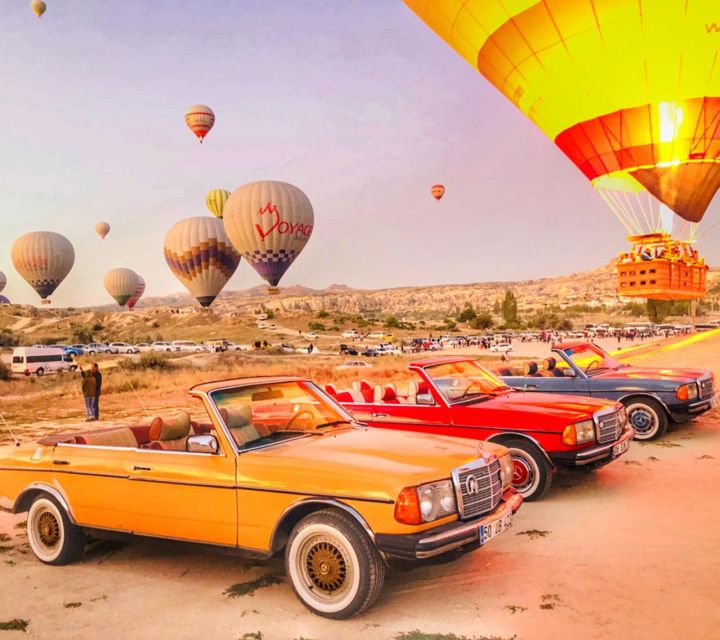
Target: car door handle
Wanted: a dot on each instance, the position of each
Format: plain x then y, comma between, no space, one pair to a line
530,387
139,468
60,462
380,415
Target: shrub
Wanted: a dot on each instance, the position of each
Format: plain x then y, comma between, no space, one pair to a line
322,314
4,371
150,360
316,326
8,338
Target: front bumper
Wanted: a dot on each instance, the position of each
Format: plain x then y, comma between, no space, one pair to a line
681,413
445,538
601,453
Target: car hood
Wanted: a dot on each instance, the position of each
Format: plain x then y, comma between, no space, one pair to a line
360,462
653,373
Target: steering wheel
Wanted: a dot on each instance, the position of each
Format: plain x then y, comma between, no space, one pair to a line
297,415
593,364
474,383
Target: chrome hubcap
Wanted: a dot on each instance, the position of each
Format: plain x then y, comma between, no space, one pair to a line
642,420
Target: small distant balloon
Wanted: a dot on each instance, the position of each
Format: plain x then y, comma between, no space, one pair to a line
3,280
215,201
43,259
102,228
139,290
437,191
4,300
38,7
121,284
200,119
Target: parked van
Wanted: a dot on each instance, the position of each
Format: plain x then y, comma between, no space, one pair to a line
40,360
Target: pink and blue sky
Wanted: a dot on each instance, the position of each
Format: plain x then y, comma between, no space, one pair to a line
354,101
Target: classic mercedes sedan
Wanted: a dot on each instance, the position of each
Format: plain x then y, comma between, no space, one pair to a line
457,396
652,396
275,466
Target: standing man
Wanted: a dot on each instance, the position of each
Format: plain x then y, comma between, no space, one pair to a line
98,386
88,391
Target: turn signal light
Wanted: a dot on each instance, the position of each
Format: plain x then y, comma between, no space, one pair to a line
407,507
569,435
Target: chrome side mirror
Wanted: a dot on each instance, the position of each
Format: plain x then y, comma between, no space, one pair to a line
424,398
202,444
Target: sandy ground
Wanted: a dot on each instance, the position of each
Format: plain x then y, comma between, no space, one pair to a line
631,551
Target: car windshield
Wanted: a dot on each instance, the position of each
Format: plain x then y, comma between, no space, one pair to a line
465,380
591,359
268,413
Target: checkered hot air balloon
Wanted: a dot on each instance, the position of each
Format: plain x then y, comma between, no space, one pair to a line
200,119
269,223
198,252
43,259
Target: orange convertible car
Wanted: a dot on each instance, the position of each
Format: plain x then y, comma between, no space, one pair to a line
278,465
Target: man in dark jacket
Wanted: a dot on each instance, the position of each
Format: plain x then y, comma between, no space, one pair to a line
98,386
88,391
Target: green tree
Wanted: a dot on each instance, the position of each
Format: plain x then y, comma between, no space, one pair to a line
316,326
322,314
270,314
509,308
391,322
658,310
482,320
468,314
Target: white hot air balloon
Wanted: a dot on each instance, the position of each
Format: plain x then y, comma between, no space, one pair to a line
269,223
3,280
200,119
43,259
198,252
121,284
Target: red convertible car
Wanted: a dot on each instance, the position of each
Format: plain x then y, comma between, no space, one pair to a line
457,396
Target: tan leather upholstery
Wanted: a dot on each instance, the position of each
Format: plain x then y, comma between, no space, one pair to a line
118,437
170,428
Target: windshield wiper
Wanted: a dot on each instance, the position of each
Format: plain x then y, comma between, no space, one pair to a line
333,423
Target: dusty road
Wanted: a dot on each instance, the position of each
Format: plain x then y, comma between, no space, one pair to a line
631,551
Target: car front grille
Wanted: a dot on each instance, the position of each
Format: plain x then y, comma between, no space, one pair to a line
609,427
706,388
478,487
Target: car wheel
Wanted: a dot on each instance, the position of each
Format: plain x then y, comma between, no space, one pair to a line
532,475
92,353
334,568
40,372
73,369
53,538
647,417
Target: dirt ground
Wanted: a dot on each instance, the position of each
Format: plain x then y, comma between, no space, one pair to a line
631,551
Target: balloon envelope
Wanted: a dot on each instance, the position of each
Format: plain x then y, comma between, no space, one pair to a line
269,223
43,259
137,294
619,86
102,229
3,280
198,252
200,119
121,283
215,201
38,7
437,191
4,300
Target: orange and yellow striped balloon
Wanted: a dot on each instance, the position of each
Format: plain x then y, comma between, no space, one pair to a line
623,87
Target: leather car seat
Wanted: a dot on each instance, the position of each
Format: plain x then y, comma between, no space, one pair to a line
550,366
530,369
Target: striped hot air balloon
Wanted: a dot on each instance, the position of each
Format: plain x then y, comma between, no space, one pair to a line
200,119
198,252
437,191
269,223
102,229
139,290
625,88
38,7
215,201
3,280
43,259
121,284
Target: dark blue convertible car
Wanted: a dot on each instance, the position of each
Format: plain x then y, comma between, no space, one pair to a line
652,396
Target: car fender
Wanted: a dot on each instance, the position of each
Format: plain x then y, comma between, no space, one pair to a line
24,500
304,507
641,394
498,438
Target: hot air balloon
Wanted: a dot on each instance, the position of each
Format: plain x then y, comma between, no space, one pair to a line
4,300
215,201
437,191
139,290
3,280
198,252
102,229
200,119
121,284
38,7
43,259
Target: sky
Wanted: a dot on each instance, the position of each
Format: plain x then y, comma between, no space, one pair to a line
356,102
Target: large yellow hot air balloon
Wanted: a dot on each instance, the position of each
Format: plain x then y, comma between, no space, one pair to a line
3,280
137,294
200,119
198,252
43,259
121,284
215,201
623,87
38,7
269,223
102,229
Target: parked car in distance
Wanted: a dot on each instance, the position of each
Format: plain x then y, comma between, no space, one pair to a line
188,346
457,396
82,348
348,350
312,336
379,335
387,349
503,347
359,497
123,347
142,347
97,347
354,364
68,349
653,396
370,352
350,333
287,348
40,360
272,326
232,346
164,346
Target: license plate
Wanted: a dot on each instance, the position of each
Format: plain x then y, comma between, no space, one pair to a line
620,448
495,528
